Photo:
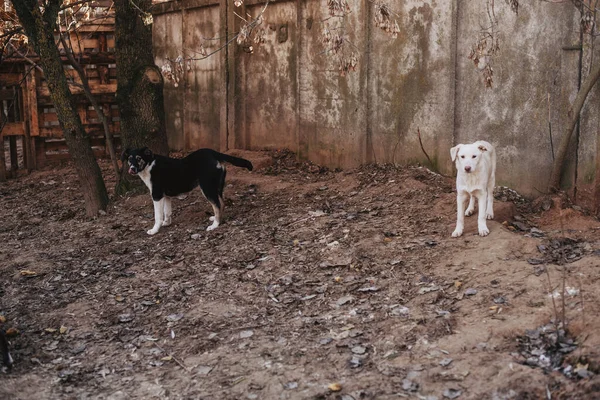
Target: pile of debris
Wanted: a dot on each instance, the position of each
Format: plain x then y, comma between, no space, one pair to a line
563,250
547,347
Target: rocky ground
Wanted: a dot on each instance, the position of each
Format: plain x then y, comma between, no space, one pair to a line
320,285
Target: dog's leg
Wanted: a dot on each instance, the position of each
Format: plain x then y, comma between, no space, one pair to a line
168,211
471,206
216,220
489,210
461,199
481,221
159,210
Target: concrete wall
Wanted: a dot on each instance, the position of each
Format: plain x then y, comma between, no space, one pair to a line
289,92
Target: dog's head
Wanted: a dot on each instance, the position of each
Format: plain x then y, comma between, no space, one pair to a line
467,156
137,159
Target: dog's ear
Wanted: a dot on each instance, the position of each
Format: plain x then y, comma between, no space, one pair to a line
125,154
454,151
482,148
147,152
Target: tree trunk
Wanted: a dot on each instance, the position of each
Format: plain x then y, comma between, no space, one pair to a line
88,93
40,30
573,117
139,84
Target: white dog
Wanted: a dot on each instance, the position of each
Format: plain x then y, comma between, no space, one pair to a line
476,177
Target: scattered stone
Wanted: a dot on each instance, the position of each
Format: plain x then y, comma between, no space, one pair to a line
290,385
359,350
470,292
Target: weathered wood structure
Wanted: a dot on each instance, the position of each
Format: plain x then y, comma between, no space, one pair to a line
28,120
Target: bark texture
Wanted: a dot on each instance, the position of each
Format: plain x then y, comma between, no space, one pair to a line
139,85
573,117
39,26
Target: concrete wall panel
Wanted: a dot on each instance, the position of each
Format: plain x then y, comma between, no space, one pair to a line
203,79
530,67
289,92
167,41
268,86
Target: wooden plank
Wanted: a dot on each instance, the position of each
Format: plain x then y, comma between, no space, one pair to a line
96,88
7,94
40,152
31,95
30,110
13,128
2,161
9,79
14,154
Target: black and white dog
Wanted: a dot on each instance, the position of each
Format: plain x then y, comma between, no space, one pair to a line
167,177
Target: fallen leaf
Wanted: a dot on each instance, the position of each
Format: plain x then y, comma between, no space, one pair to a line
63,330
246,334
452,393
343,300
166,358
445,362
28,273
203,370
174,317
49,330
2,319
335,387
125,318
368,289
10,332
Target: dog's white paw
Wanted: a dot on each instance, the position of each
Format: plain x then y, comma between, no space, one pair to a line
489,215
152,231
166,222
212,218
214,225
484,231
457,232
469,212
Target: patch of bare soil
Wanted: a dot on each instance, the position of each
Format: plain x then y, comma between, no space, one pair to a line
320,285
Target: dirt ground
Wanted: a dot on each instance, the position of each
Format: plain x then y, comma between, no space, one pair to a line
320,285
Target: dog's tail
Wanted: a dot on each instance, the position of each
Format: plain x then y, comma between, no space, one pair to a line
237,161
